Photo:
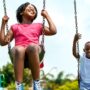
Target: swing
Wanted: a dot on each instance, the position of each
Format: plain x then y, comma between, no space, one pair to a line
76,26
41,55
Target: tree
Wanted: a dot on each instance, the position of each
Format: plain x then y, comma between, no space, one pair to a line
8,73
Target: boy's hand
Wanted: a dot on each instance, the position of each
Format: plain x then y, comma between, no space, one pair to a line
77,37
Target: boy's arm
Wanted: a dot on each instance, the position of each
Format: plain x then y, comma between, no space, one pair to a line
74,48
5,39
51,30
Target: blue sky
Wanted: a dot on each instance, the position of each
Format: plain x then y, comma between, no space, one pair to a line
58,47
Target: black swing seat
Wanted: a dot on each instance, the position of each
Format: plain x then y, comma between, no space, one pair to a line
26,62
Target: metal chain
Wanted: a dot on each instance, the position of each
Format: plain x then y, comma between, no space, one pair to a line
76,24
77,45
4,6
42,42
5,13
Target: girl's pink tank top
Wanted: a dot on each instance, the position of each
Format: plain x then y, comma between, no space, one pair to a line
26,34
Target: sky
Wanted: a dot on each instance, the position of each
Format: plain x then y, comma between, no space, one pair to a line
58,56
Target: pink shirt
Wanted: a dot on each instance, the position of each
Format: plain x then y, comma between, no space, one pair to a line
26,34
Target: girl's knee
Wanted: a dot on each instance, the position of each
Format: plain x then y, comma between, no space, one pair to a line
17,51
32,48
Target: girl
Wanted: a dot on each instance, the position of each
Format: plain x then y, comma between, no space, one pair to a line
26,35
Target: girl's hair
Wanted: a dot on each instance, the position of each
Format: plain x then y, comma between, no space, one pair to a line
21,8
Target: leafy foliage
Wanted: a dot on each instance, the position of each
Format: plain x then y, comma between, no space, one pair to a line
8,72
61,82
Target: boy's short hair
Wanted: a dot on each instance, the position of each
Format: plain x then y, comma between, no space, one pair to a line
87,42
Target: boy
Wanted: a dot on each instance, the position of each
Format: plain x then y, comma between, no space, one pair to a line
84,63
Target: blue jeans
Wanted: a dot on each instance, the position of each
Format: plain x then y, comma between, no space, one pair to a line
84,86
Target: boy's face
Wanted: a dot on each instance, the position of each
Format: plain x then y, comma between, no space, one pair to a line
87,49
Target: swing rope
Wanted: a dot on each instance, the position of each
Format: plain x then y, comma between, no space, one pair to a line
5,13
77,45
43,37
42,42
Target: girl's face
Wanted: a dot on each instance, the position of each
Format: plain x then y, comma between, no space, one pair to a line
87,50
29,12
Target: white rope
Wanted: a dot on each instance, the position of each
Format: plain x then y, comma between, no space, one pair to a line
42,42
5,13
77,44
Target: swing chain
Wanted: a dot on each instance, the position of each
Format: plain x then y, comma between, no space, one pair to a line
75,17
5,13
4,5
76,24
77,45
44,3
42,42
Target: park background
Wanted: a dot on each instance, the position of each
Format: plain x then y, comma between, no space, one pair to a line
58,48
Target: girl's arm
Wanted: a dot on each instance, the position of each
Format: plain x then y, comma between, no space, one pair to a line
51,30
5,39
74,48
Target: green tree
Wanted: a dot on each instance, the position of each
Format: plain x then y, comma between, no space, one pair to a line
59,81
27,77
8,72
